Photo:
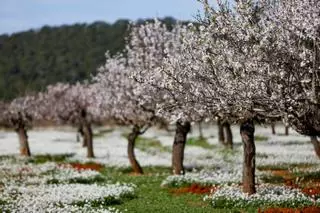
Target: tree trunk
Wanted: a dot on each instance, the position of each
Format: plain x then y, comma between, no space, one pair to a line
228,135
248,176
316,145
200,130
132,158
286,130
87,138
23,140
220,132
80,134
273,128
182,129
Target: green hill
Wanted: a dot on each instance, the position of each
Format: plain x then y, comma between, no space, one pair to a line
31,60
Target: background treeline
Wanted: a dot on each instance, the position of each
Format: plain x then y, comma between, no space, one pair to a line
31,60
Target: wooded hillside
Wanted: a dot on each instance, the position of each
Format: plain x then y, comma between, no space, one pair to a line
33,59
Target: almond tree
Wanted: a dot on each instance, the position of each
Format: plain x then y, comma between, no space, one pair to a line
147,48
19,115
243,67
294,29
212,71
294,26
124,101
73,104
262,62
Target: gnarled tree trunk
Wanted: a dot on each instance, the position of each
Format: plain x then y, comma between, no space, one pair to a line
87,133
23,140
87,137
182,129
248,175
132,158
273,128
227,135
220,132
316,145
82,133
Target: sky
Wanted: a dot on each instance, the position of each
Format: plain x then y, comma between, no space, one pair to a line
22,15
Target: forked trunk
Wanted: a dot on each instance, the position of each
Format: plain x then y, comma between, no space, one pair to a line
316,145
132,158
286,131
228,135
248,175
23,140
182,129
273,128
220,132
87,137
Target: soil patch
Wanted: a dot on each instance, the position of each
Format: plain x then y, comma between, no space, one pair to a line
282,173
194,189
86,166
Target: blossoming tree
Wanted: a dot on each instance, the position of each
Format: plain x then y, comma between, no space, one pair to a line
223,69
257,65
125,102
73,104
147,48
294,29
19,115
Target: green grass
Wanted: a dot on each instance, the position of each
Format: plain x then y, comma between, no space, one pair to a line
39,159
259,138
290,143
197,141
2,202
147,144
151,197
96,179
307,176
274,179
106,202
227,202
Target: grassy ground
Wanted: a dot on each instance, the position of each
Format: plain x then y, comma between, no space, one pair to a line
150,145
151,197
201,142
